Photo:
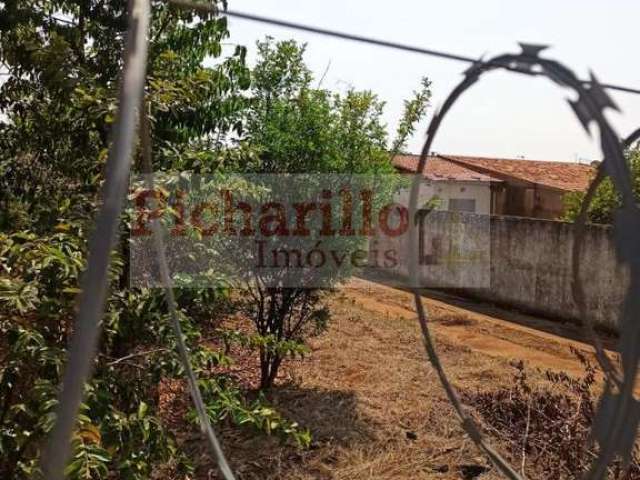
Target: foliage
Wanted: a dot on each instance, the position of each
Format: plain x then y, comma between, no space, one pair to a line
119,429
548,428
606,199
283,319
61,61
225,401
35,333
58,101
414,110
296,128
300,129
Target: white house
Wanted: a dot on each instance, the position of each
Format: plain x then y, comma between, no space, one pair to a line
450,186
499,186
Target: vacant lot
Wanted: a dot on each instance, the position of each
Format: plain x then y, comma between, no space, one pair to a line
374,404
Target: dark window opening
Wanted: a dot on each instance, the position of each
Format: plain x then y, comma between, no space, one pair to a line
462,205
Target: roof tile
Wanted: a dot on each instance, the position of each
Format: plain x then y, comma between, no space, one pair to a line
438,169
559,175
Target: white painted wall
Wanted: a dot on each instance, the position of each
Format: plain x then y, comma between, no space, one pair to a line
446,190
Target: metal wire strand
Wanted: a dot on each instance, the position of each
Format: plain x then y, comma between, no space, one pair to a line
589,106
208,8
94,283
577,288
165,277
95,280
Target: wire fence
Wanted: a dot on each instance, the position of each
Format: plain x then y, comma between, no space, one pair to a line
619,412
611,430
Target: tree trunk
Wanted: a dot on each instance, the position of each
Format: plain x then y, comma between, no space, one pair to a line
264,369
275,365
269,365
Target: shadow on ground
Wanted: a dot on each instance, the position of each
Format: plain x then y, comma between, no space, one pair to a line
331,416
562,328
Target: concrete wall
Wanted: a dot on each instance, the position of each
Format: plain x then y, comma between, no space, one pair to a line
453,252
530,269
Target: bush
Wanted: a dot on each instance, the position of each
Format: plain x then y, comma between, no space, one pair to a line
283,318
606,199
297,127
548,428
120,431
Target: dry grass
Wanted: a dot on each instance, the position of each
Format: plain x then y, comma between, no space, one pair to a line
372,402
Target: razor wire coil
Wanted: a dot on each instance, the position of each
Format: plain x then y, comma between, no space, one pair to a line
589,106
613,433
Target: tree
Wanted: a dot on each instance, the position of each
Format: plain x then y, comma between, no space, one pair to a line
296,128
63,58
414,110
60,62
606,199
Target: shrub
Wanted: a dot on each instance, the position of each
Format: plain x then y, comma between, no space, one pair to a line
120,432
548,428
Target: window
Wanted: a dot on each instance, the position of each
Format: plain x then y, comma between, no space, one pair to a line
462,205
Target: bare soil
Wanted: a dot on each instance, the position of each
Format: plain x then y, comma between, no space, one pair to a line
374,404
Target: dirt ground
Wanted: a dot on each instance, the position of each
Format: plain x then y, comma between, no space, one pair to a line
374,404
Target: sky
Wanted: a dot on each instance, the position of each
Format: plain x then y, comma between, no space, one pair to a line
504,115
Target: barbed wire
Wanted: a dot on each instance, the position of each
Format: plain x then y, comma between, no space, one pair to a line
633,138
209,8
94,283
611,431
577,288
165,277
614,436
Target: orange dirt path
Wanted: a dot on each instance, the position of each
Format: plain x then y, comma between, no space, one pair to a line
485,329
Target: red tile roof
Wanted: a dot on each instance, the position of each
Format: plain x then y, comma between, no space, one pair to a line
570,177
438,169
564,176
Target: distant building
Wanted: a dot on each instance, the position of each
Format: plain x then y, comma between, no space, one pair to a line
525,188
449,185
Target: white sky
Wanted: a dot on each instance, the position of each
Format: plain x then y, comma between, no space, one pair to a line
505,115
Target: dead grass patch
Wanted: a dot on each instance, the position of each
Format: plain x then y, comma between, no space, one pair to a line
374,404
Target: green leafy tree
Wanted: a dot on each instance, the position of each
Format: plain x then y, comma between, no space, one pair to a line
62,59
414,110
606,199
60,62
296,128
